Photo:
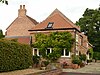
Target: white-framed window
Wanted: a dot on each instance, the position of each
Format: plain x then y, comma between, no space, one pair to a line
65,53
49,50
35,51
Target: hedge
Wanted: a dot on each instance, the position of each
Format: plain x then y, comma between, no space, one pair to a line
14,56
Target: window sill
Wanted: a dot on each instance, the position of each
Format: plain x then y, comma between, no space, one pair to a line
65,56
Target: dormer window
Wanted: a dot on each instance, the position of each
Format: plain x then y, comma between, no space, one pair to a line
50,24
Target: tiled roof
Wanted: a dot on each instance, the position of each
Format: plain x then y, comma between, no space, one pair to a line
60,21
33,20
21,18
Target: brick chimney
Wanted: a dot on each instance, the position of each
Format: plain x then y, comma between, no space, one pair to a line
22,11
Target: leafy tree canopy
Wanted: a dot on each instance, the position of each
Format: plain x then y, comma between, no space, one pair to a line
1,34
4,1
55,40
90,25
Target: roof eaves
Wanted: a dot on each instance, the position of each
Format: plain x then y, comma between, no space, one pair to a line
55,29
11,23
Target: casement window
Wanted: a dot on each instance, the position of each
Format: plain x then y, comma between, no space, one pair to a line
35,51
49,50
65,53
50,24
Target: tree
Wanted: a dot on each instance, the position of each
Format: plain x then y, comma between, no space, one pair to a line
90,25
55,40
4,1
1,34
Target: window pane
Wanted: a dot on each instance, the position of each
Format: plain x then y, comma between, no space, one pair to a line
39,53
66,52
62,52
48,51
50,24
35,51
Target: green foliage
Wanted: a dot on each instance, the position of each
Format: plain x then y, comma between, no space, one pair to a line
4,1
36,59
89,61
96,55
14,56
53,56
1,34
44,63
14,40
90,25
55,40
76,60
91,53
82,57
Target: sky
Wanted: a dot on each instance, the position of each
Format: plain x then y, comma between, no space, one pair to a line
41,9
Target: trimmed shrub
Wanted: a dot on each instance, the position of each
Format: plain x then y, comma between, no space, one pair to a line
14,56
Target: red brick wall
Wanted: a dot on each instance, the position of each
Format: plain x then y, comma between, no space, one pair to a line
20,27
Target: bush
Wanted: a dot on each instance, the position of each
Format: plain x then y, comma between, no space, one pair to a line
89,61
82,64
44,63
14,56
91,53
36,60
82,57
76,60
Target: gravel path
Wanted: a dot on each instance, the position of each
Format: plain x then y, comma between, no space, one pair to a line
91,68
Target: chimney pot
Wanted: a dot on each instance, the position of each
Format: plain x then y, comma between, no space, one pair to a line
23,6
20,6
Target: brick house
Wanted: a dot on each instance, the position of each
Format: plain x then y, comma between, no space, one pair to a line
19,27
57,22
25,26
